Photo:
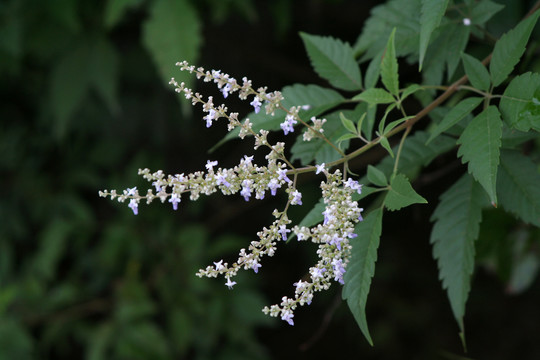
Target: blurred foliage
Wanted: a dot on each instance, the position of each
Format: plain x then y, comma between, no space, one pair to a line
84,104
79,279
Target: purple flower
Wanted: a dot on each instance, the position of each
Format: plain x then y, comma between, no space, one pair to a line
230,283
287,316
288,125
297,198
282,175
320,168
226,89
273,185
360,218
336,240
354,185
134,205
283,232
339,270
256,103
256,267
211,116
246,189
210,165
221,180
174,200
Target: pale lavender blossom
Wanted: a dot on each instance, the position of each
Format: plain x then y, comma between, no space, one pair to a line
297,198
174,200
134,205
219,265
273,185
210,165
287,316
246,189
211,116
256,103
354,185
230,283
283,232
288,125
320,168
282,175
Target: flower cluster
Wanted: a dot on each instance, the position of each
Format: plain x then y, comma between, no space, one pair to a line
250,180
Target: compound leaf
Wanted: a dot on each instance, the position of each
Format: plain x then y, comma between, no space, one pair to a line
455,115
480,148
172,33
517,186
520,104
476,72
457,223
389,67
334,61
509,48
402,194
430,18
361,268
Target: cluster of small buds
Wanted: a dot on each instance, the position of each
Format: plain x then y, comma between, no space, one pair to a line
315,130
332,236
245,178
250,180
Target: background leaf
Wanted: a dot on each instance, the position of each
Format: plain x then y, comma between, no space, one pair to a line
520,104
375,96
430,18
517,186
509,48
389,67
476,72
401,194
457,219
361,268
172,33
455,115
333,60
480,148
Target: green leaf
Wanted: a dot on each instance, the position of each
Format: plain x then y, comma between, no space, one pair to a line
416,154
455,115
375,96
361,268
517,186
334,61
318,98
376,176
115,9
457,223
411,89
399,14
386,145
103,72
346,137
401,194
431,15
348,124
480,147
483,11
509,48
520,104
476,72
395,123
69,85
172,33
389,67
372,73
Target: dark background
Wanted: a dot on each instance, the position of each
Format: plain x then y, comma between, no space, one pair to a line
81,277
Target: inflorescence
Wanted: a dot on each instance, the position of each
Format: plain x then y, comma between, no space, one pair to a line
251,180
